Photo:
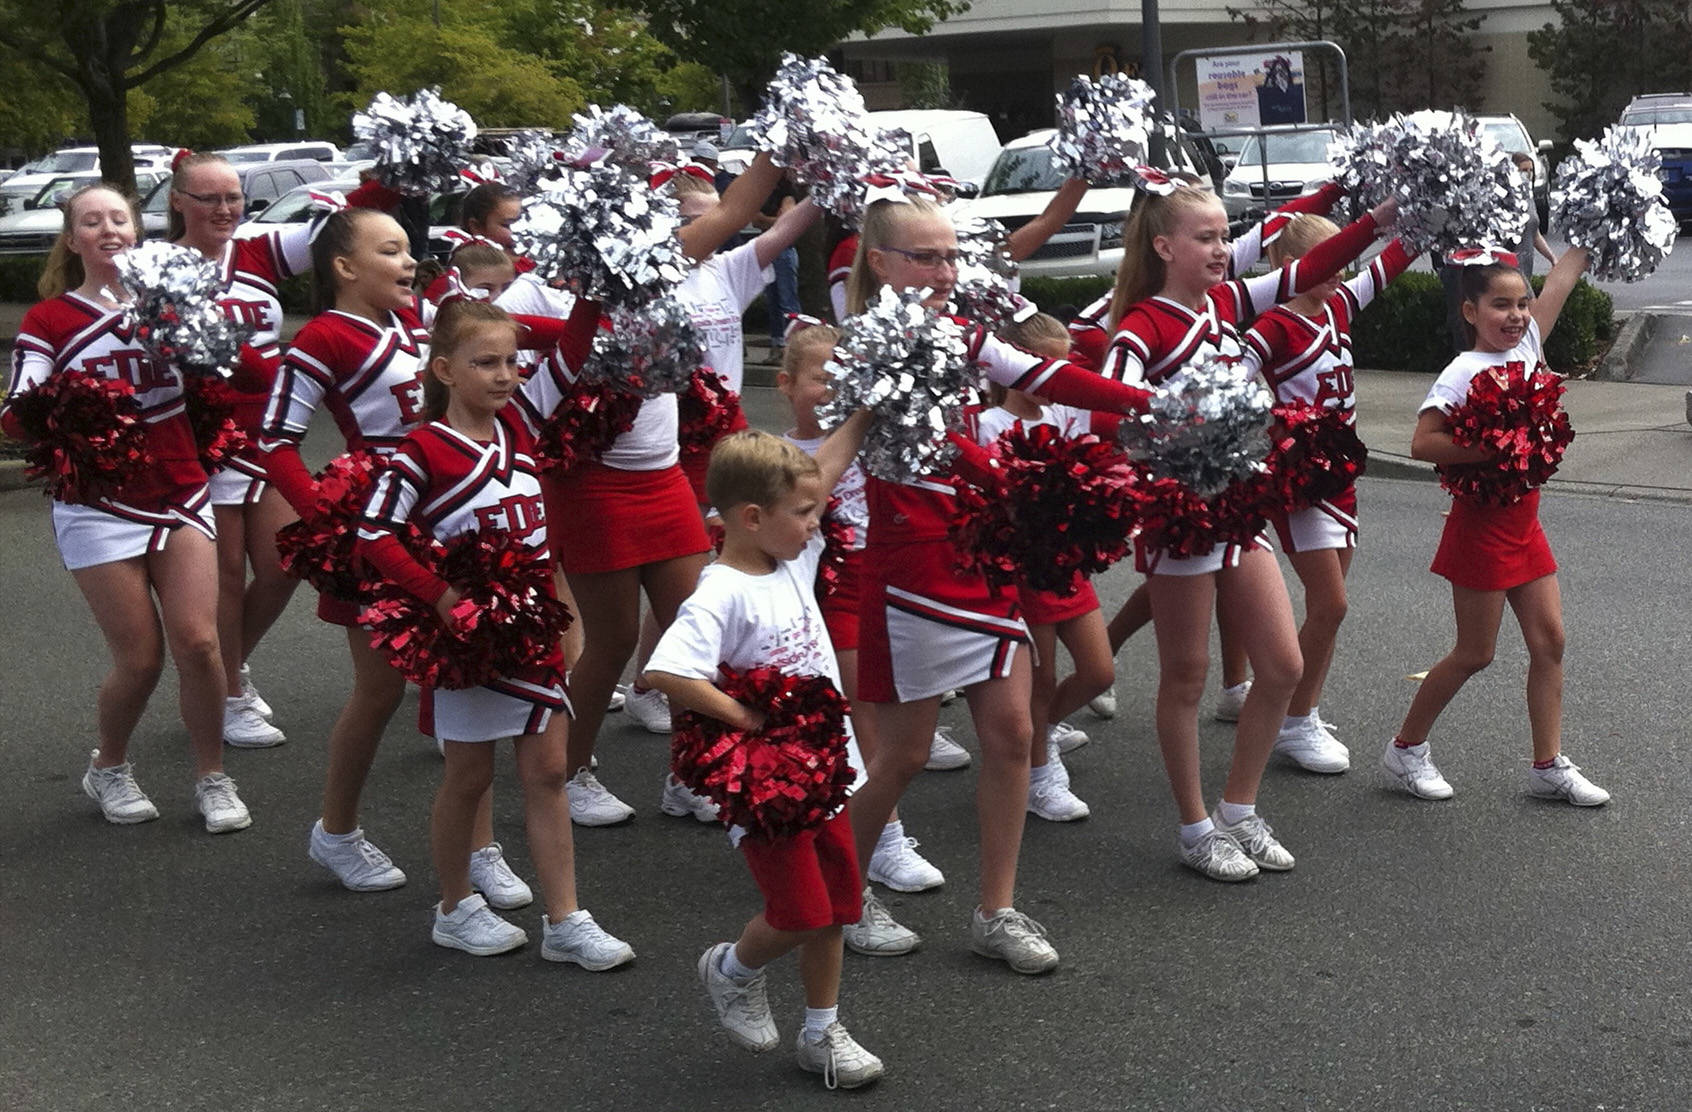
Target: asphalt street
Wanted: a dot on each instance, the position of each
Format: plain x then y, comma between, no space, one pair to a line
1492,952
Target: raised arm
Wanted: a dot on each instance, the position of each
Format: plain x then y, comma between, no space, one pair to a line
1033,235
1248,248
785,232
836,454
1548,306
1317,265
1054,379
741,201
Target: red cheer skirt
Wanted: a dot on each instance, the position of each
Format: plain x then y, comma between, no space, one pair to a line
612,520
1493,548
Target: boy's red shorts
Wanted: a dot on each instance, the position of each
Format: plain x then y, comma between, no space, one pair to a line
811,880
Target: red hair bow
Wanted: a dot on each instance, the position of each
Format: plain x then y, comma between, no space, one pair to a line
661,177
1482,256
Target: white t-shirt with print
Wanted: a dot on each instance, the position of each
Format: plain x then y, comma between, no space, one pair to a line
1451,388
717,293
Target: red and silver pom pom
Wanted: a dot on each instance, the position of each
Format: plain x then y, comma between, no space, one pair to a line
652,350
1105,127
211,411
707,411
814,122
1518,416
174,292
420,142
507,622
630,139
1609,200
85,435
778,781
1314,454
320,547
584,426
1206,425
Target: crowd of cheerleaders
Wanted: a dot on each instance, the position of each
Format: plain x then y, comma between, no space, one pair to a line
902,627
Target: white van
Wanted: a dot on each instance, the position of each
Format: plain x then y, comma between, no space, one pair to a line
959,144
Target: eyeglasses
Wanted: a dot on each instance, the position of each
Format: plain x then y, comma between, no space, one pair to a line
212,200
928,260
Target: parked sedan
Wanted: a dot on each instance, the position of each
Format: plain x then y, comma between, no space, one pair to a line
1273,168
31,229
262,182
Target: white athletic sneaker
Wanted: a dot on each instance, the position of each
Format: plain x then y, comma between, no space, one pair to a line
877,934
838,1057
1257,841
359,865
245,728
120,798
743,1009
949,696
592,804
475,929
1104,705
1065,736
650,709
251,692
1564,781
1309,745
493,878
682,801
1414,768
899,866
577,938
1013,938
1054,760
945,754
1228,704
1052,800
1218,857
220,804
619,697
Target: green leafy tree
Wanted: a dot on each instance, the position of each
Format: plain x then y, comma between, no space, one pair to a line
1602,53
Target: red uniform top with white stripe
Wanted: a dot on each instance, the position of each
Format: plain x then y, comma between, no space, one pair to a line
840,269
74,333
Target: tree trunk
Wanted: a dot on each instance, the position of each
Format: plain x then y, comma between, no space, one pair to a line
108,112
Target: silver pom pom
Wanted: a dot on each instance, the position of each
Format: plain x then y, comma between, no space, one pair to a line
420,142
1454,186
633,141
814,122
1104,128
1207,426
605,233
530,156
174,309
1609,200
649,351
986,273
910,366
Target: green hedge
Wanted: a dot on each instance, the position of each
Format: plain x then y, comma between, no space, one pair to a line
18,275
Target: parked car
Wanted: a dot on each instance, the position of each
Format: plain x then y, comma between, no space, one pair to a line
31,228
959,144
1667,119
262,182
1023,180
73,160
690,127
1275,167
1509,132
280,152
295,207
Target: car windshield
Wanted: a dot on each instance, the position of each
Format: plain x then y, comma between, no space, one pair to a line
1286,147
294,206
1648,117
1507,134
69,162
158,200
246,156
1022,170
739,139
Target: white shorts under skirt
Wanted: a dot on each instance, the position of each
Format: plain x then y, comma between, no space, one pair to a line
508,708
230,487
104,534
1156,561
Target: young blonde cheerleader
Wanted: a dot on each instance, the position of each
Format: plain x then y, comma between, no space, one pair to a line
152,539
1495,555
1303,351
1173,307
470,469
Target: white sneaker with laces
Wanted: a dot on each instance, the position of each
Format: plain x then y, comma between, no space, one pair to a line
650,709
1564,781
1218,857
354,860
743,1009
1051,799
897,864
877,933
592,804
1013,938
619,697
474,928
251,692
1054,760
245,728
944,753
1104,705
1413,767
838,1057
120,798
1228,704
1308,744
220,804
1256,840
577,938
1067,737
683,802
493,878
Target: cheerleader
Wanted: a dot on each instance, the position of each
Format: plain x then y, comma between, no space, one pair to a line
1172,307
1495,555
155,537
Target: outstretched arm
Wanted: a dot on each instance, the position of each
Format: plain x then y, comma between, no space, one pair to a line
1548,306
1033,235
742,200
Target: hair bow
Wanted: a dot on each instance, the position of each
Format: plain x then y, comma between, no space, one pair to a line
1482,256
457,291
323,205
798,322
1152,180
458,237
664,172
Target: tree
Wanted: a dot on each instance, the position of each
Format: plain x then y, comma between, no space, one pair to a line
1602,53
106,48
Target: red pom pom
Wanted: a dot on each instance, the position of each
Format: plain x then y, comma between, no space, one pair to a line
1517,415
586,423
86,436
839,538
706,410
1178,522
319,548
211,411
784,778
1314,454
506,624
1068,507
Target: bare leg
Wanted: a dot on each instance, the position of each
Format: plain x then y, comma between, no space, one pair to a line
1181,608
1478,615
376,694
1539,611
1254,598
1323,574
268,594
231,591
649,633
759,943
1095,670
999,710
820,958
1136,612
121,600
610,615
903,731
180,574
541,761
467,779
1043,678
574,638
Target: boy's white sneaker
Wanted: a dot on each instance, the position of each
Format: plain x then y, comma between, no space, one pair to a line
354,860
220,805
683,802
649,708
248,691
1232,699
592,804
245,728
899,866
945,754
493,878
1104,705
838,1057
1218,857
1256,840
877,933
1413,767
475,929
120,798
577,938
1052,800
1065,736
1564,781
1308,744
1013,938
743,1009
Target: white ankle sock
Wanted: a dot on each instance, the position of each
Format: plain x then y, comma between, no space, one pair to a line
734,969
1235,812
1292,720
891,835
1191,832
1039,774
817,1021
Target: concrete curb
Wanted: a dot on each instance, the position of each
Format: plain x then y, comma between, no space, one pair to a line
1636,332
1384,466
